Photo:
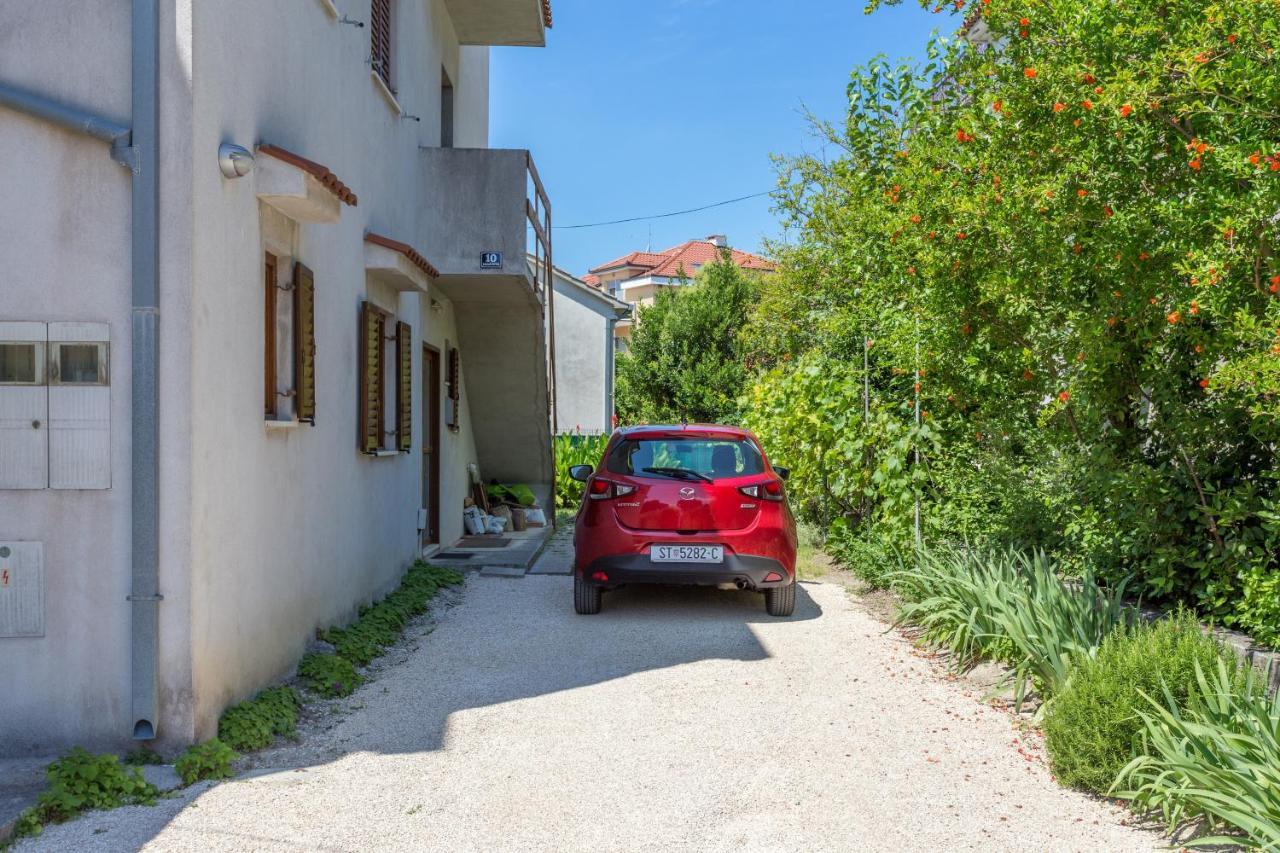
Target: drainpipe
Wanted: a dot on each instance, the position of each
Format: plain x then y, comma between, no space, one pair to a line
138,150
145,504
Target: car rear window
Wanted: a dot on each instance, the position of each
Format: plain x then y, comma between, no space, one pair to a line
716,458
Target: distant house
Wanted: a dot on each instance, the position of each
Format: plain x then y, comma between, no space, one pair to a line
585,320
636,278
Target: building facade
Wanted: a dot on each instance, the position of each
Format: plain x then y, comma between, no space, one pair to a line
637,277
585,322
263,300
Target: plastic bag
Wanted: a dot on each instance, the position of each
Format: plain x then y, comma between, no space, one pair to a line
473,520
535,517
494,524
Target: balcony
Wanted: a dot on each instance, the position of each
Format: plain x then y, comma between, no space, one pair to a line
483,215
501,22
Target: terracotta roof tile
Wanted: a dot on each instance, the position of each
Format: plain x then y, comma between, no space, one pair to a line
404,249
593,280
689,256
546,13
320,173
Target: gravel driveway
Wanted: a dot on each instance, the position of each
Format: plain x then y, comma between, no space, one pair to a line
674,720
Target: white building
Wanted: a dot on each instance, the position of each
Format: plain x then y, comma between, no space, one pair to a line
585,319
235,408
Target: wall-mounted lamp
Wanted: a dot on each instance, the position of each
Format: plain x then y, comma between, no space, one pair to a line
235,161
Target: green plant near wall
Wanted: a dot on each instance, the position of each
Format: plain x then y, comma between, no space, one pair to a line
329,675
575,449
209,760
1093,726
1214,758
254,724
80,781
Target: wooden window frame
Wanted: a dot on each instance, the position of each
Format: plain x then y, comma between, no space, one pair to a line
381,35
304,343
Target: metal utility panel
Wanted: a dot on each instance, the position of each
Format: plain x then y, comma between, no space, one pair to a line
21,589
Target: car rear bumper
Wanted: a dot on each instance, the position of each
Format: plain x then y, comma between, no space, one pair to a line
742,570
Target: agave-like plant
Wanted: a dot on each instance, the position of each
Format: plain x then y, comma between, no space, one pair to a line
1011,605
1215,759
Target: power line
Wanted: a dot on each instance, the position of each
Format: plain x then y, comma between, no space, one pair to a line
666,215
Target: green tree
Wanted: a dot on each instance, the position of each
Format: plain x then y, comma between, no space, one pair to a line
686,357
1076,225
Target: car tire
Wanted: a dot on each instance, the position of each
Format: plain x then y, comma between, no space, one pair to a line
586,598
780,600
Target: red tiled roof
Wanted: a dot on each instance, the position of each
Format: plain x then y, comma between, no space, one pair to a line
546,13
320,173
687,256
593,280
404,249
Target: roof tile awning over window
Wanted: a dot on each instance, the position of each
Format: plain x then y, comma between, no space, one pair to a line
301,189
396,264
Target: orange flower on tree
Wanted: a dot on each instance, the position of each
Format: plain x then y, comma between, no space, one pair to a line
1195,164
1126,110
1028,375
1058,106
1087,104
1029,73
1195,307
1174,318
1204,383
1082,193
1064,396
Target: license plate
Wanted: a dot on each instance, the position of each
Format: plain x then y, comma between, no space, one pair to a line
686,554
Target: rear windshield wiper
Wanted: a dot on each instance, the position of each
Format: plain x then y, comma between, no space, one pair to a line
679,474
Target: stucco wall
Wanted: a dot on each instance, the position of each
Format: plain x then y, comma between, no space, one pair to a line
295,528
583,360
65,255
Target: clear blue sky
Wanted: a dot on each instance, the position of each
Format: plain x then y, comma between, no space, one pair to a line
636,108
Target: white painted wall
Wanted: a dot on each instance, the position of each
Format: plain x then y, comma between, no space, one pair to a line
584,358
266,535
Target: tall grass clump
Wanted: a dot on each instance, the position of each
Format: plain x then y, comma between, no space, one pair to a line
1011,606
1214,759
575,448
1093,727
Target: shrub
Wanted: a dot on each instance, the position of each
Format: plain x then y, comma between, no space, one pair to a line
1216,759
1009,605
874,560
209,760
1259,612
575,449
253,724
80,781
142,756
329,675
1093,726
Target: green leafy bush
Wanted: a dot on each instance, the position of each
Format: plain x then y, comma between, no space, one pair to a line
209,760
143,756
80,781
1093,726
1259,611
575,449
1009,605
253,724
329,675
1214,757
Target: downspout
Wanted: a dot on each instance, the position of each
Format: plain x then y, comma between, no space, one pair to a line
138,150
145,499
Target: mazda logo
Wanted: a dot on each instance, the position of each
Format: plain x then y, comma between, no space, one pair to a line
687,493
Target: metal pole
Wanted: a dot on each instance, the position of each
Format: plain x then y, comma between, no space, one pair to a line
915,469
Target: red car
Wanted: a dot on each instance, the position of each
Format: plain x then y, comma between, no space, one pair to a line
696,504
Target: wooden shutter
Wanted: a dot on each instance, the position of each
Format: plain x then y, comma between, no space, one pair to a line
404,386
455,389
380,38
269,337
371,331
304,343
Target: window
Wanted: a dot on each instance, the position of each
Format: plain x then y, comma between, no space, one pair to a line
446,110
386,379
380,39
21,363
708,457
289,344
78,364
453,391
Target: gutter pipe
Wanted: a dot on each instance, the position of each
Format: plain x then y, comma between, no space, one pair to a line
137,149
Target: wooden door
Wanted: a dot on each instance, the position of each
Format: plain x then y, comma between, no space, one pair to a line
431,444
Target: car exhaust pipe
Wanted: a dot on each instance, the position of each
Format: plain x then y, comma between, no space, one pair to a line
740,583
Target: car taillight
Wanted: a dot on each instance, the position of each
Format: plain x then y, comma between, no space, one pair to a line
602,490
770,490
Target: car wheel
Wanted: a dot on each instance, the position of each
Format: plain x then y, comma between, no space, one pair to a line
780,600
586,598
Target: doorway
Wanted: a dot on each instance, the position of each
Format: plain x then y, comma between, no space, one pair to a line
431,444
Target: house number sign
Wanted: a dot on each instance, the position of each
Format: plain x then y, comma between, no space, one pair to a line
490,260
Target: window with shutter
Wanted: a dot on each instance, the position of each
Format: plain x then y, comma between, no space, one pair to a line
304,343
380,39
372,329
269,337
404,387
453,417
